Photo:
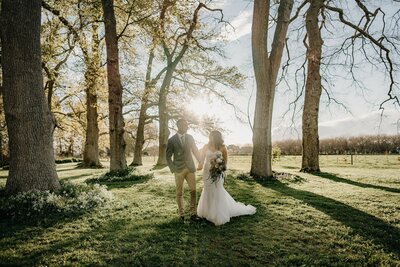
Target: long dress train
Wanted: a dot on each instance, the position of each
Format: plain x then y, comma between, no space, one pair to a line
215,204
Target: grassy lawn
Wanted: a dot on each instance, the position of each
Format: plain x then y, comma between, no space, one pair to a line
349,215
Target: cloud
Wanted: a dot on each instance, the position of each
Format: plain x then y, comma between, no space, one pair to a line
367,124
220,3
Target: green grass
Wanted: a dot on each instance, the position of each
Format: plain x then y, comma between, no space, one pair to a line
349,215
121,179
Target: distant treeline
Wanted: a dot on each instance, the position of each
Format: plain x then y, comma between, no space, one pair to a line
371,144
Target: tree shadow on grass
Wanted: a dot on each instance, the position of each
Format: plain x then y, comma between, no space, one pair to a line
123,242
125,239
335,178
35,229
120,182
75,177
157,237
290,167
24,228
119,242
70,168
185,243
126,184
360,222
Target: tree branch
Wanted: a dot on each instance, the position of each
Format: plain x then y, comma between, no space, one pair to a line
386,60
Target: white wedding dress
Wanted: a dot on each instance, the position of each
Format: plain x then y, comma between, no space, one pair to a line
215,204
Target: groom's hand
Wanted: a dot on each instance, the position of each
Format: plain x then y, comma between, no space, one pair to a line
200,167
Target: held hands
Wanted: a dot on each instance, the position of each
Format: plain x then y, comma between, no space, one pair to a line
200,167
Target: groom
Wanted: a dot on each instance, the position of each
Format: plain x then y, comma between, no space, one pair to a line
181,146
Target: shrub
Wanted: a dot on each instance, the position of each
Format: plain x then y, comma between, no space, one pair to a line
125,175
120,173
72,199
276,152
67,160
243,176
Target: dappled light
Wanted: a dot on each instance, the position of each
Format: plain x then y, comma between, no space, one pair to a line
199,133
297,221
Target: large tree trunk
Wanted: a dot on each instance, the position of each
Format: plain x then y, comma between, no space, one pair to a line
148,89
266,72
91,150
310,159
172,63
116,120
139,141
164,118
29,121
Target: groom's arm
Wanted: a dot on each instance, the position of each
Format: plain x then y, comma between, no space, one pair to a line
196,152
170,152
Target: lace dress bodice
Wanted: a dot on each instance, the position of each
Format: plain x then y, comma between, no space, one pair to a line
206,170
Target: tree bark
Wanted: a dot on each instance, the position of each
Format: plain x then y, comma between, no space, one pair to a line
163,116
148,89
310,143
50,90
139,141
116,120
29,121
91,150
266,70
92,63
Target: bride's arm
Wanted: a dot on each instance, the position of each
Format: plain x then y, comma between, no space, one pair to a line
202,157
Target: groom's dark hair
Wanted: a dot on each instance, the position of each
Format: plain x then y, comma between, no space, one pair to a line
180,121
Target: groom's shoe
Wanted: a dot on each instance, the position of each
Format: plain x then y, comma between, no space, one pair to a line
195,218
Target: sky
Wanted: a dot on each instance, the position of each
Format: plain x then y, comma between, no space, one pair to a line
359,114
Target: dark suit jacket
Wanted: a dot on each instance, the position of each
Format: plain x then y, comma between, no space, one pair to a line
179,157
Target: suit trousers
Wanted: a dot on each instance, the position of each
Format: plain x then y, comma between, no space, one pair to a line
190,178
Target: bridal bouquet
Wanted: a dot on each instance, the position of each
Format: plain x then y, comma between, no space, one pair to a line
217,167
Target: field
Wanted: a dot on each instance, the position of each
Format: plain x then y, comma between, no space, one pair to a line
348,215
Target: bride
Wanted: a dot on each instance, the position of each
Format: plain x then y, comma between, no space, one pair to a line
215,204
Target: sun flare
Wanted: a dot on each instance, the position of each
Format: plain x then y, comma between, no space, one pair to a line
201,107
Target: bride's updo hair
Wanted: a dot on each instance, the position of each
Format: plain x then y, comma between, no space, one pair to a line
215,139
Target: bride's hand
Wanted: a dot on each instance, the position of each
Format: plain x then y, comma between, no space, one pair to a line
200,167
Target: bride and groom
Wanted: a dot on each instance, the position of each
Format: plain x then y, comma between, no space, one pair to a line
215,203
